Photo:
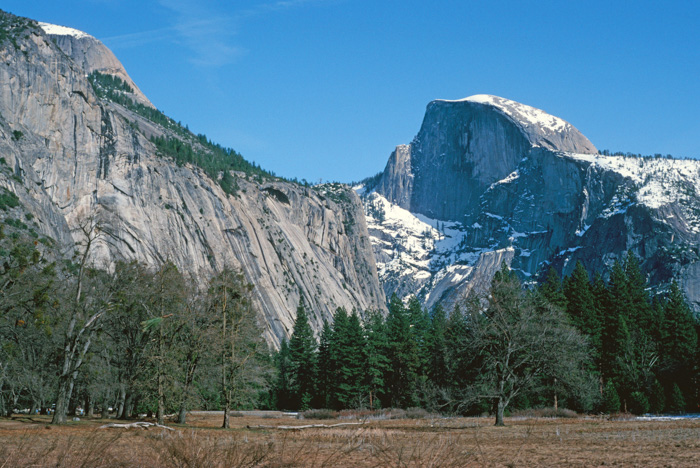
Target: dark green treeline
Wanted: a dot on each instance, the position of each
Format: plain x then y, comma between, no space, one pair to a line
588,345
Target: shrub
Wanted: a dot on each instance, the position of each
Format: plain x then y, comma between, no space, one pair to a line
416,413
639,404
319,414
676,402
657,400
8,199
611,400
545,413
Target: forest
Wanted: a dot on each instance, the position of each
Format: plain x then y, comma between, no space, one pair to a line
592,346
136,340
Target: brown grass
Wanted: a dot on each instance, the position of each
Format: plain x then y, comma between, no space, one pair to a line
429,442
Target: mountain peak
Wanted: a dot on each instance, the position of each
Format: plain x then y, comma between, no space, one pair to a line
92,55
541,128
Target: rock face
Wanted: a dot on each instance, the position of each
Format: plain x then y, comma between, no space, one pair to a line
91,55
69,155
465,146
489,178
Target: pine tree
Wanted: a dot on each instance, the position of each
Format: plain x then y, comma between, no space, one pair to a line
376,357
639,304
676,402
611,400
437,348
461,364
678,341
420,325
284,371
403,355
325,368
302,356
354,365
337,345
347,346
581,305
657,399
552,290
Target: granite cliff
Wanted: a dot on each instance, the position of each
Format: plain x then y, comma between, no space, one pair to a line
488,180
69,154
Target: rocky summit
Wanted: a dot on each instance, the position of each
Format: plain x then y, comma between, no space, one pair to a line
488,180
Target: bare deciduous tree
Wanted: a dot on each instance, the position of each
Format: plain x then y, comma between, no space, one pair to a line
519,340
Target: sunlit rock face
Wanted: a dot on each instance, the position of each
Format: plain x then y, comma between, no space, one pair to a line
69,155
487,180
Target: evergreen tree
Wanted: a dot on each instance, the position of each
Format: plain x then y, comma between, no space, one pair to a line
350,374
437,348
325,368
376,357
657,399
347,350
284,370
461,364
581,306
639,305
302,357
639,403
676,402
337,345
420,324
678,341
611,400
403,355
551,289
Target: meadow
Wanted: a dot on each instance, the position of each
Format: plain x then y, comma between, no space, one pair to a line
266,440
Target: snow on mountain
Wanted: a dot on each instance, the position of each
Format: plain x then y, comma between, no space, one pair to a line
57,30
521,113
659,182
493,180
417,255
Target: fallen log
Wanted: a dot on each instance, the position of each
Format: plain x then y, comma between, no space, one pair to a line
307,426
135,425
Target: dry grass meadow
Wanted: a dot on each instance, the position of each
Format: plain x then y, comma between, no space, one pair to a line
430,442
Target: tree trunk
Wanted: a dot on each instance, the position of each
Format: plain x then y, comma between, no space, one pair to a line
64,388
499,412
121,405
128,404
227,414
89,406
160,413
105,409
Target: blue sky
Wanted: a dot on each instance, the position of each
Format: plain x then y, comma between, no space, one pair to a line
325,89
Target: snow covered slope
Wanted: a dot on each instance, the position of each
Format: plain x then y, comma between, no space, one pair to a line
488,178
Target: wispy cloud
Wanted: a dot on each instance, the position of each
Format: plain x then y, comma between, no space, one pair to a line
206,31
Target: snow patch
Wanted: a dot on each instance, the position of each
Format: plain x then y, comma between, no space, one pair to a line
57,30
526,115
657,182
582,231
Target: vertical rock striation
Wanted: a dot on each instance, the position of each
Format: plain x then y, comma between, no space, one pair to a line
489,176
70,155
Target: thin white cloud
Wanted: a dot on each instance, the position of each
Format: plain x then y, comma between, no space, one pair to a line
204,30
